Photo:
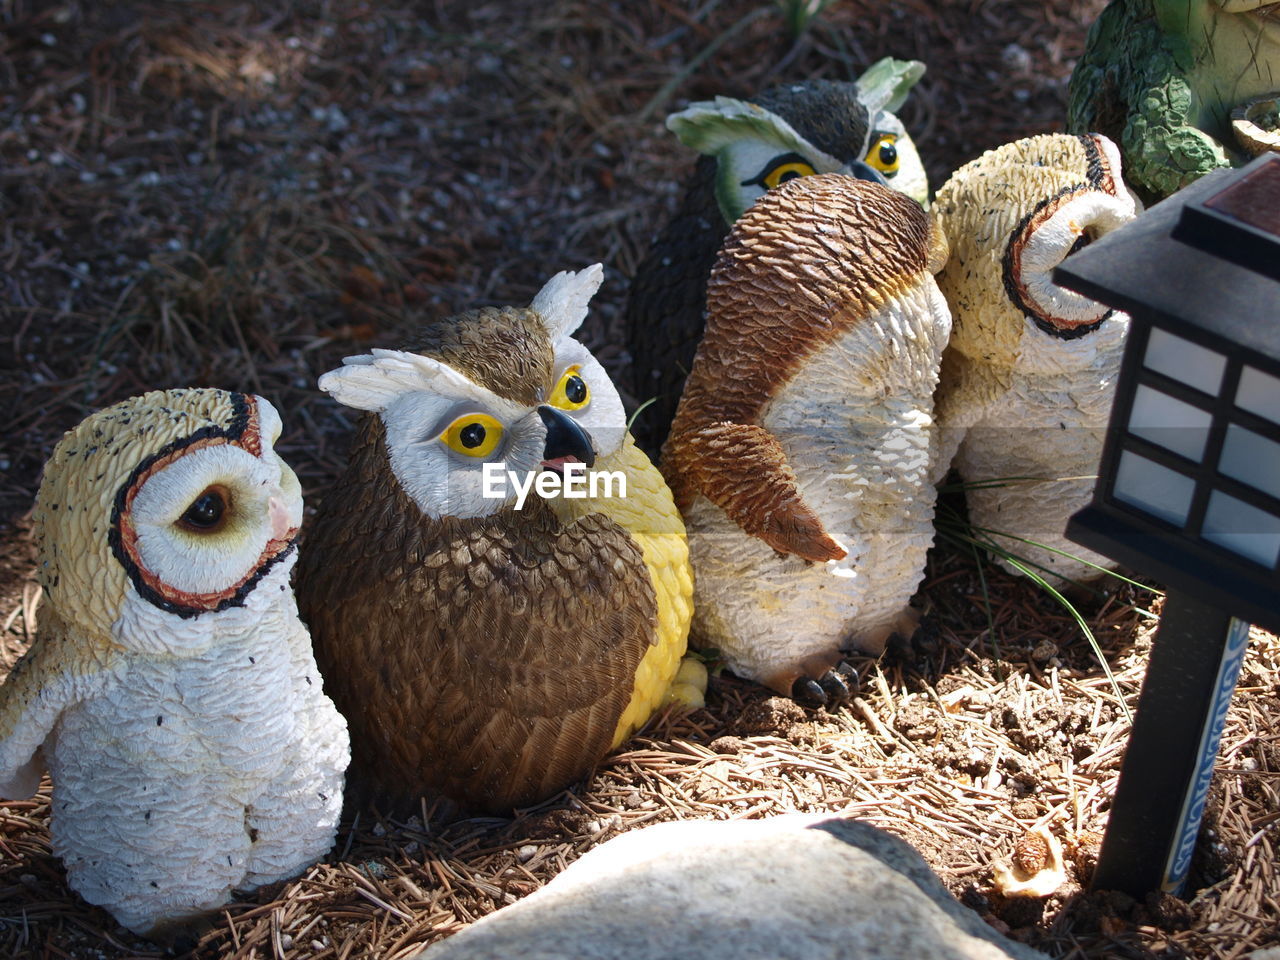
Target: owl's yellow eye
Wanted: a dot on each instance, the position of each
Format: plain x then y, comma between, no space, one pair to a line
779,170
883,154
571,393
473,435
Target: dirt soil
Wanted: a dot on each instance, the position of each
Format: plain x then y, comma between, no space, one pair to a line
238,195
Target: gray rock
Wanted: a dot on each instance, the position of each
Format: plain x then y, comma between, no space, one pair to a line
796,887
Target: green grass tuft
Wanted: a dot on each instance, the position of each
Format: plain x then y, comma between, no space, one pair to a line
955,527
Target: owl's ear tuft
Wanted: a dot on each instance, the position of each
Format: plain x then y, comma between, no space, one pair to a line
709,126
887,82
373,381
562,301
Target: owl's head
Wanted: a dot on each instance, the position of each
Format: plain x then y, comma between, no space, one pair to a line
509,388
818,126
1011,216
176,497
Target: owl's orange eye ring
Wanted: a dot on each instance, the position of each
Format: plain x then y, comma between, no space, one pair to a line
473,435
883,154
779,170
208,512
571,392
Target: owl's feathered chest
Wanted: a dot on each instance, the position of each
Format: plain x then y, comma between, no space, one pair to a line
866,397
229,707
488,658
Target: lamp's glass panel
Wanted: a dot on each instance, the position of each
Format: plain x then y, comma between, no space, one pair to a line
1184,361
1259,393
1242,528
1169,422
1251,458
1153,487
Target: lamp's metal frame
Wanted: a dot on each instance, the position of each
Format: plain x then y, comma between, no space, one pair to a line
1200,645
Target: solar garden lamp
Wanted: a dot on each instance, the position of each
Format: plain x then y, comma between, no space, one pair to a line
1188,489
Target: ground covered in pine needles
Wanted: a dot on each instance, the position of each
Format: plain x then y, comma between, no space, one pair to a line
237,195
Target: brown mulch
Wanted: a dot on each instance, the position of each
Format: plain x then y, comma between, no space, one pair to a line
237,194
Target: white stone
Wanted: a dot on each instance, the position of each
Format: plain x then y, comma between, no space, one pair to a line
797,887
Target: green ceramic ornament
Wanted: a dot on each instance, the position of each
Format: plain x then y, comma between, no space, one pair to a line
1162,77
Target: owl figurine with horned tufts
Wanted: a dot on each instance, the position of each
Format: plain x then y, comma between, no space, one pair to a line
171,688
749,148
489,634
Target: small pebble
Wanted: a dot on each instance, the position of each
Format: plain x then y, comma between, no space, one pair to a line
1045,650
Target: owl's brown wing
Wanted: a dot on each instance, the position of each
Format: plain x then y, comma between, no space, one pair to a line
487,660
742,469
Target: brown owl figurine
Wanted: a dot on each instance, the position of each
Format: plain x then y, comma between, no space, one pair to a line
488,637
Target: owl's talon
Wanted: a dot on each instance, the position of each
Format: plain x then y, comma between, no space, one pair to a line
923,641
807,692
836,689
831,690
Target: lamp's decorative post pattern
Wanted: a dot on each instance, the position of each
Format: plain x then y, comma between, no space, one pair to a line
1189,486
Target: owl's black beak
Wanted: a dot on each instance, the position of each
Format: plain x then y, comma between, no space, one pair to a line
565,440
864,171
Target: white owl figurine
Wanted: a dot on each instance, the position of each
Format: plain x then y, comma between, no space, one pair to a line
1029,375
171,689
803,446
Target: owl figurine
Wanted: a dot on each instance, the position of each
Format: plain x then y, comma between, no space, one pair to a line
488,637
171,690
1029,375
802,450
749,148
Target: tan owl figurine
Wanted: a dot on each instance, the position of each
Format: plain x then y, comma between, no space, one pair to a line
498,585
1029,375
802,449
171,688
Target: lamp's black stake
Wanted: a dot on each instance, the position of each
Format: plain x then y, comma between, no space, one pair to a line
1195,661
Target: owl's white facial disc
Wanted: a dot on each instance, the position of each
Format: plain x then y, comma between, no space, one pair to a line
592,402
426,442
1053,231
755,150
603,417
443,430
907,173
751,167
198,524
440,443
